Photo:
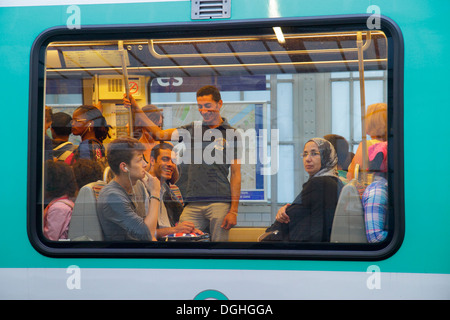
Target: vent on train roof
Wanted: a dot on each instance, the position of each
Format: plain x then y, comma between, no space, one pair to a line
210,9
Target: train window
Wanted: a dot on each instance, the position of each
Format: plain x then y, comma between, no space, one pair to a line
281,140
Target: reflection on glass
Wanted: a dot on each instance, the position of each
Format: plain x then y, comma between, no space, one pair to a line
184,164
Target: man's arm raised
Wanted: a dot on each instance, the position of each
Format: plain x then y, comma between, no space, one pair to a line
156,132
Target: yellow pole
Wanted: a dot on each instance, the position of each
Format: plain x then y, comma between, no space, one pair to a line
126,84
359,44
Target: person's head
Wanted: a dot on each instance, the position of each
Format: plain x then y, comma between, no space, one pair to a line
87,171
319,158
161,161
59,180
61,125
89,118
376,121
209,103
125,155
154,114
341,147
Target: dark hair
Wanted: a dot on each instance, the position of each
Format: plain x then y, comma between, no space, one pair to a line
61,124
122,150
342,149
152,112
87,171
101,127
157,148
59,180
209,90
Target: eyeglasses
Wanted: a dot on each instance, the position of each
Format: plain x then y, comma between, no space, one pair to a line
312,154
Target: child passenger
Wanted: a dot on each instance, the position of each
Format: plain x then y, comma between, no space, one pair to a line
60,189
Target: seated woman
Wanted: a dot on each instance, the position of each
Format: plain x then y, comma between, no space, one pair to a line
60,190
310,216
89,123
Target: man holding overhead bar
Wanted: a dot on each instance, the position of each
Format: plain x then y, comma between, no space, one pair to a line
212,152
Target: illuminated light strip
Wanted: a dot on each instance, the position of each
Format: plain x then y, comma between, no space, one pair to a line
279,34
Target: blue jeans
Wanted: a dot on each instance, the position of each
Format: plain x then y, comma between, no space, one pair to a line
208,217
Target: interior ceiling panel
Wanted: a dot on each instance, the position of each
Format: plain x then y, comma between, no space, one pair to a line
220,56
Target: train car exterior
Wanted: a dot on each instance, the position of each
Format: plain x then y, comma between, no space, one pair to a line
414,264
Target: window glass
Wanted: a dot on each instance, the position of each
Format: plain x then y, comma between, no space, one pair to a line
239,130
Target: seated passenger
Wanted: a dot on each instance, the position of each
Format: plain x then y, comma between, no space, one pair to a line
61,129
344,156
124,210
165,170
89,123
375,197
84,224
87,171
376,128
60,189
310,216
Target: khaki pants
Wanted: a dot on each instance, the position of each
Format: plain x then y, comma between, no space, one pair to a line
208,217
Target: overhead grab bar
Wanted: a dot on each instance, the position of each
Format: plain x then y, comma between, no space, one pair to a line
151,48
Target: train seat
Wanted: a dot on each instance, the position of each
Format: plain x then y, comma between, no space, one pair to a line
84,224
348,223
245,234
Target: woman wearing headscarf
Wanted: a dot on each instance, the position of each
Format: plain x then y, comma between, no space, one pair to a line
309,217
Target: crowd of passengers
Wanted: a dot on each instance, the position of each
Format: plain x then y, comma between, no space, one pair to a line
148,197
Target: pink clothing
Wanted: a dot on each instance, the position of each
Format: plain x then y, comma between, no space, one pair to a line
57,217
377,148
357,159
